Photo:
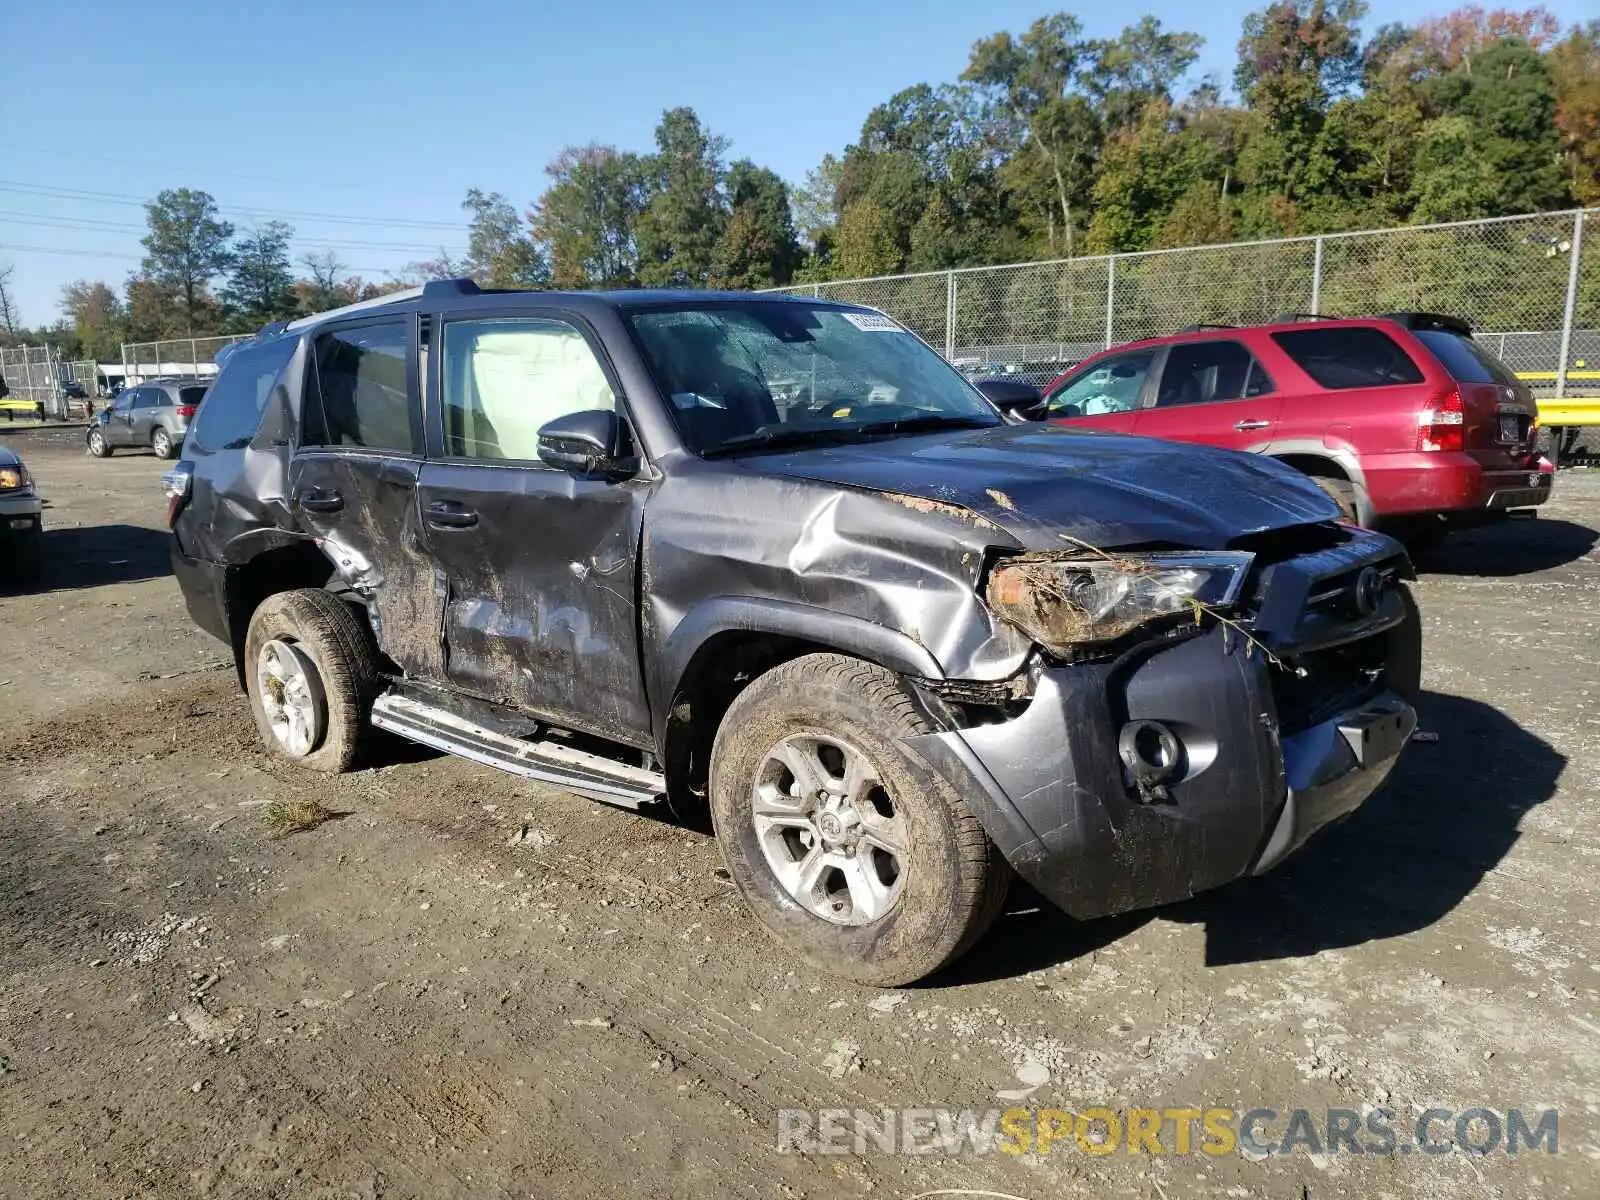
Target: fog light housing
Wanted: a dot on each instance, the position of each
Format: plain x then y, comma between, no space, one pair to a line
1152,754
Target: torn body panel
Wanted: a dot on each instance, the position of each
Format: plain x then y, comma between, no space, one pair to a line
846,567
540,571
361,508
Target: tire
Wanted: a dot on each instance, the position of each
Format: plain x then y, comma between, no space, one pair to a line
311,632
97,445
949,886
1343,493
161,443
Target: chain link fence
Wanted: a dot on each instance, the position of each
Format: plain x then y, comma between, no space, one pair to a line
184,358
34,375
1529,285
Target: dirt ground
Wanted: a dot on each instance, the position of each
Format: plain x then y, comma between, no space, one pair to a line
468,986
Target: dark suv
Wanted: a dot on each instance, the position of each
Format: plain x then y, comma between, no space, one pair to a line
774,555
154,414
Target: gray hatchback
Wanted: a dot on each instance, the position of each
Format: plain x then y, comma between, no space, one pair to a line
154,414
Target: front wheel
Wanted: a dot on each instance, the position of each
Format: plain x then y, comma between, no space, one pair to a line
852,851
97,444
310,666
161,443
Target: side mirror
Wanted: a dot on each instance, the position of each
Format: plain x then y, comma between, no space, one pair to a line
1013,396
595,442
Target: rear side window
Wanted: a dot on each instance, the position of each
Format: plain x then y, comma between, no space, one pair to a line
232,410
359,381
1349,356
1202,372
1466,361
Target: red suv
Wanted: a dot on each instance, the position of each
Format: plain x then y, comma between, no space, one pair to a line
1403,419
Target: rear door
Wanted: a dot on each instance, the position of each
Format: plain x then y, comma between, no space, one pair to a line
1215,391
1104,393
539,565
146,412
353,481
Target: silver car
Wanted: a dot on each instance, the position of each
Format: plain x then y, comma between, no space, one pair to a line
154,414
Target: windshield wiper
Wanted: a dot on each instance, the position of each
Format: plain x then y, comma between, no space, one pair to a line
924,424
778,437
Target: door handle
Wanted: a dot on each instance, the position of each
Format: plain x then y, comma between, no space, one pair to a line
447,514
1246,426
318,501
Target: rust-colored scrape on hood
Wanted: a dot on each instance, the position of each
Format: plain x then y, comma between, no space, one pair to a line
923,504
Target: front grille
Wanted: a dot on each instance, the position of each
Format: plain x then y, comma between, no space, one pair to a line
1332,682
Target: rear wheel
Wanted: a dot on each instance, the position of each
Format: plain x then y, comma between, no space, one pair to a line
852,851
310,667
161,443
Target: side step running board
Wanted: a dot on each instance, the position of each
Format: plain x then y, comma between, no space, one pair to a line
548,761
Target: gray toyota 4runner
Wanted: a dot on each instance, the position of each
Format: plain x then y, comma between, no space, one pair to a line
775,556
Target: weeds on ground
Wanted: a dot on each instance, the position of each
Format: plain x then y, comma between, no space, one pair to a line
284,817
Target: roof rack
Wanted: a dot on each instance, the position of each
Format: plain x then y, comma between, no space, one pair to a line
1286,318
1202,327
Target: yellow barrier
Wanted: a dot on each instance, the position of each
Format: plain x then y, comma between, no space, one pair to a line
1570,410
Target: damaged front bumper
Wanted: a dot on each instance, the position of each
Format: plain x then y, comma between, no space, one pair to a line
1265,758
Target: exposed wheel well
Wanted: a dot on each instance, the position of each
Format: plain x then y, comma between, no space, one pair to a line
282,569
1314,465
720,669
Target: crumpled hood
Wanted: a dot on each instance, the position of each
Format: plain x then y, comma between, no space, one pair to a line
1037,482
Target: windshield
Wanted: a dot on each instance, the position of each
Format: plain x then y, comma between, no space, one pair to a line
755,374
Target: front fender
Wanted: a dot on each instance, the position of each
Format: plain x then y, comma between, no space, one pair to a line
782,618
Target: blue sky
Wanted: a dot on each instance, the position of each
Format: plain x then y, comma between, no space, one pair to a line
387,112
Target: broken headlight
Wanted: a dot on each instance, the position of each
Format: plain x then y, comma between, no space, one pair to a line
13,478
1066,602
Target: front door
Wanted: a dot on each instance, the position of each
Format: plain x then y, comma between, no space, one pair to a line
1105,394
118,429
1213,391
541,609
353,482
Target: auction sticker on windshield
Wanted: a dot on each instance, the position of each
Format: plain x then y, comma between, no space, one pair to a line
873,323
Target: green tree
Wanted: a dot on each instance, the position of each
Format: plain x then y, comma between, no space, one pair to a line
587,218
500,251
1508,96
1031,76
260,276
187,246
1138,66
865,242
1454,180
681,224
758,247
96,317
